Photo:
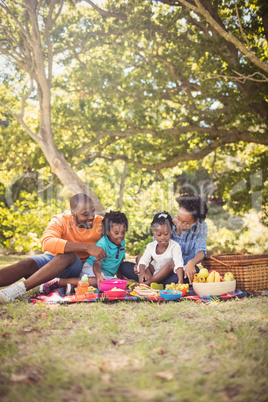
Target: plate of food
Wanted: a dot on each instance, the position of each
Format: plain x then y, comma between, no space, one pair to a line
170,294
145,291
115,292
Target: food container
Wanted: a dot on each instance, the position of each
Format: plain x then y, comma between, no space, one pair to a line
109,284
115,293
170,294
213,288
183,291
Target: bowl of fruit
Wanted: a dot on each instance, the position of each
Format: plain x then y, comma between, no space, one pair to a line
211,283
184,288
109,284
169,294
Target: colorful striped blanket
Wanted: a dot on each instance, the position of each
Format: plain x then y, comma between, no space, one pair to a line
58,297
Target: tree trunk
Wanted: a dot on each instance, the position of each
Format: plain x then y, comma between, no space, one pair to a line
45,139
67,175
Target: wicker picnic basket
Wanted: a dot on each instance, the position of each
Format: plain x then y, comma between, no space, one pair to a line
250,271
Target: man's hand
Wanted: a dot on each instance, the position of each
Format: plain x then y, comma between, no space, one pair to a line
97,252
190,271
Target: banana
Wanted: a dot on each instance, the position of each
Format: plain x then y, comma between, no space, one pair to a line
217,277
211,276
196,278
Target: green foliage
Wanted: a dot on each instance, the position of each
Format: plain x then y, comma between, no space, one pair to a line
159,74
228,232
150,84
22,224
138,246
243,182
145,194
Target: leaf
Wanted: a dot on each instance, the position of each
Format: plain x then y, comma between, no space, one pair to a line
115,363
18,377
44,316
6,335
118,343
106,378
166,375
29,379
159,351
27,330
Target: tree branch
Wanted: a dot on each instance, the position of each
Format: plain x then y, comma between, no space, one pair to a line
217,140
105,13
19,118
15,19
117,133
241,28
177,77
228,37
24,99
196,154
242,78
48,26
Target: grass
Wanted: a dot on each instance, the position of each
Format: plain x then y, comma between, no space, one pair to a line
127,351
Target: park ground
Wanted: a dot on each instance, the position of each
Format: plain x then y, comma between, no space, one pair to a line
129,351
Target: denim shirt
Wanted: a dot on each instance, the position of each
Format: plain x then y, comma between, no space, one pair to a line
192,240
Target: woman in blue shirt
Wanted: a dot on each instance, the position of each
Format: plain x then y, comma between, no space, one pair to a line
190,232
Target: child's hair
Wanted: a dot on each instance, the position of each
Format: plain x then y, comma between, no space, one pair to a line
162,218
113,218
194,204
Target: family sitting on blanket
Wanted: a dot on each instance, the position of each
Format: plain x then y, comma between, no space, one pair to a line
71,238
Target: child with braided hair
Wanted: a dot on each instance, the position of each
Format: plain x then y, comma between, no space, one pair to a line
114,227
163,252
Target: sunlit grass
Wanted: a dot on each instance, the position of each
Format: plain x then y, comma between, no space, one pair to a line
127,351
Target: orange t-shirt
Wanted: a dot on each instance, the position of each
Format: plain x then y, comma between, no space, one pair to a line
62,229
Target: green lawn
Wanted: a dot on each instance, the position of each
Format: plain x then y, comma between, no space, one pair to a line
127,351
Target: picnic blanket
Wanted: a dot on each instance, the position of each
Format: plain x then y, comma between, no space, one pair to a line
58,297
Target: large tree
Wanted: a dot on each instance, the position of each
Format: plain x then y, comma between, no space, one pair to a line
154,83
179,85
29,50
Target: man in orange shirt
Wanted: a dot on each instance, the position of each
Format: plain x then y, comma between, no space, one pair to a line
68,241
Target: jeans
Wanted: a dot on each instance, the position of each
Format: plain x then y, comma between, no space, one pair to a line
73,271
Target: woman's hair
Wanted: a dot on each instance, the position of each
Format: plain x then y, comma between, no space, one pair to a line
195,205
113,218
162,218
